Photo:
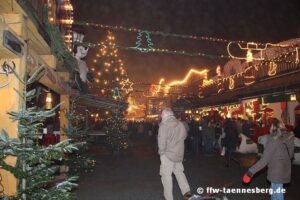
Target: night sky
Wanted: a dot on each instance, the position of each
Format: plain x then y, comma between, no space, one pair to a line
250,20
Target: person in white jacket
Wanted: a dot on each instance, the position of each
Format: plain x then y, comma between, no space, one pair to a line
171,136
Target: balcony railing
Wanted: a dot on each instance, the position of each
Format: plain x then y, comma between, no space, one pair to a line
36,9
279,66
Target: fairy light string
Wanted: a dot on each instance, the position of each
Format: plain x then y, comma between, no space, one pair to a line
156,50
249,77
158,33
140,39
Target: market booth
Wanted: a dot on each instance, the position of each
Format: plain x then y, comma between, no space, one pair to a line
23,49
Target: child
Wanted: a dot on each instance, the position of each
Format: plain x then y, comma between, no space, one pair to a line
277,156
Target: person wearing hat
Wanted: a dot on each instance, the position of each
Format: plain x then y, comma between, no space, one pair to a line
171,136
277,156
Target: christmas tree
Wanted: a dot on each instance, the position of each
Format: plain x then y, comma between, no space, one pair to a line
34,163
116,135
78,161
110,73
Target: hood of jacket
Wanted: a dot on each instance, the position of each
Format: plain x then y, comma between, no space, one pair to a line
170,121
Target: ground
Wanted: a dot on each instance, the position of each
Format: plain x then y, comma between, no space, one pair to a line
134,175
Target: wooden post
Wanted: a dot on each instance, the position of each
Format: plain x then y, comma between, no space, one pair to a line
10,101
64,107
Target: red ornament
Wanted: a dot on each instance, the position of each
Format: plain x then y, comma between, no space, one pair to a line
241,108
246,178
283,105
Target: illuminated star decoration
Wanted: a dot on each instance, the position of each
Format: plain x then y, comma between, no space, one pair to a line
127,85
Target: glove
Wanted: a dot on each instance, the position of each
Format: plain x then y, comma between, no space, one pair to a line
247,177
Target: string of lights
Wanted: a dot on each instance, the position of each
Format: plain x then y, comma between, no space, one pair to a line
156,50
158,33
252,46
250,77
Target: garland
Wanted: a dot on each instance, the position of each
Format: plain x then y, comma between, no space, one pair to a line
155,50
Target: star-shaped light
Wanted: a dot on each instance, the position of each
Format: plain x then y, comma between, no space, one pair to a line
126,85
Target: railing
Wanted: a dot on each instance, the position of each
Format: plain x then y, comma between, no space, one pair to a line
38,6
35,9
285,67
282,65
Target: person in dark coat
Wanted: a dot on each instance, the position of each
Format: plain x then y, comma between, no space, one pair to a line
231,139
218,133
297,130
195,136
208,134
277,156
247,127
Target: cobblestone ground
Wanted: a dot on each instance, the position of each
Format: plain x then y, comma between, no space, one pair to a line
134,175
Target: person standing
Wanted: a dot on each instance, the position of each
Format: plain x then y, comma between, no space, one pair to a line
218,133
208,133
277,156
247,128
195,136
297,130
231,139
171,136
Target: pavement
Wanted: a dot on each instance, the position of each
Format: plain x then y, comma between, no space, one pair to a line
134,175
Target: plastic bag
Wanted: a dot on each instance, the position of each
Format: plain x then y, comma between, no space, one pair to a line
223,151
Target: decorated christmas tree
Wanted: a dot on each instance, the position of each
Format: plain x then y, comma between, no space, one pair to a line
111,79
116,133
34,165
79,161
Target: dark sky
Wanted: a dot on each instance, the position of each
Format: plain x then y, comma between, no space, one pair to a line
250,20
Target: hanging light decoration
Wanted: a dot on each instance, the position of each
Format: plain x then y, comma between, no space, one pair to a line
293,97
49,99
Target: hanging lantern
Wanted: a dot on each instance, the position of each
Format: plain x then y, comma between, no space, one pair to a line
48,105
293,97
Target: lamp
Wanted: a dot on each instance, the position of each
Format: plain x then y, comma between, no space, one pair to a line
293,97
48,105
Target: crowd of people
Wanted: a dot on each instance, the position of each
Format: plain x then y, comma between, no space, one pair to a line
173,134
176,137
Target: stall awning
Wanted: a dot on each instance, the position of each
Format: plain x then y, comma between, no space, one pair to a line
52,80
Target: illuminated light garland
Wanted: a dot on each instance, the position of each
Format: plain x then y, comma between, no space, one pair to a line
231,83
249,79
159,86
140,39
155,50
207,82
183,81
272,69
159,33
219,83
192,71
297,55
252,46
